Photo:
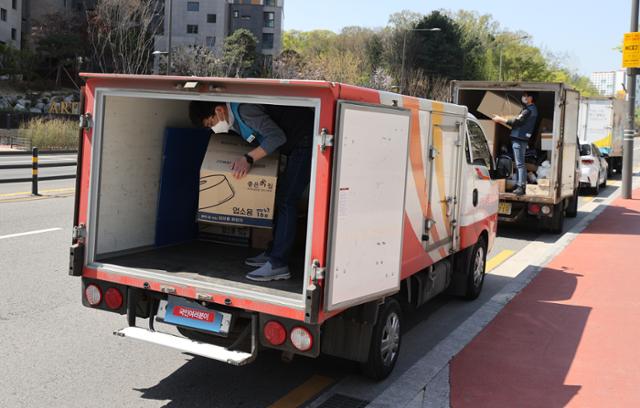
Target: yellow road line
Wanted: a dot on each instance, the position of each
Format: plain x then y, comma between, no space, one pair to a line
498,259
54,190
588,199
304,392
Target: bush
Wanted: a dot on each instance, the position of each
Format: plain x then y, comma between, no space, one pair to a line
50,133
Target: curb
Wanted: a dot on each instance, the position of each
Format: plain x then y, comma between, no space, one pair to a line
426,383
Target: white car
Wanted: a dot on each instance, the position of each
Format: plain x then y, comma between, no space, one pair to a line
593,168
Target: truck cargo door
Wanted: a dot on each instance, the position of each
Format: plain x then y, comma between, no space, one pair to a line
570,140
367,204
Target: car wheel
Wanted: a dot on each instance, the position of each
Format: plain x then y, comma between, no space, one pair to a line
596,190
604,181
385,342
476,268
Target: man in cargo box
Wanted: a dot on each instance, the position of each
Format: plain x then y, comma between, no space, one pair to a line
522,128
268,129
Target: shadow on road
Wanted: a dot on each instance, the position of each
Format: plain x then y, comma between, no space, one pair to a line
523,356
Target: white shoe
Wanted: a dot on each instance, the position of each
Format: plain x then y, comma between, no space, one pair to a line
267,273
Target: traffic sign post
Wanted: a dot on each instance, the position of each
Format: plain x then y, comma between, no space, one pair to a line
631,61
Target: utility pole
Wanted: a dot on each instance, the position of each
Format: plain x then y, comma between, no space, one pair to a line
630,131
169,40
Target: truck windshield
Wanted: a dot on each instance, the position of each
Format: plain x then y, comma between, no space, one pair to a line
585,150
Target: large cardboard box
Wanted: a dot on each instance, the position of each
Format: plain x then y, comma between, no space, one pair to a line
501,105
496,134
226,200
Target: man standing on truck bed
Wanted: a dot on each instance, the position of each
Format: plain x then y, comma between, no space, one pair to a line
522,127
268,128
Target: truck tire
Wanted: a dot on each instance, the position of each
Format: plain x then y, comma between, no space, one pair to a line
385,342
572,208
557,220
476,268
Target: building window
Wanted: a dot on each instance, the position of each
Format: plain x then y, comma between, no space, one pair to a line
13,33
3,14
211,18
267,41
14,4
269,19
270,3
192,29
211,42
236,14
193,6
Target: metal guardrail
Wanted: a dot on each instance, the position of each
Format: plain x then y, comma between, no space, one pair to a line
34,166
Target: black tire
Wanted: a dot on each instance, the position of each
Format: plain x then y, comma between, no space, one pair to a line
604,183
596,190
572,208
557,220
476,268
387,330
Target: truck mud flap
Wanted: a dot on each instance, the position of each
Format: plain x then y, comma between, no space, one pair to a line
218,353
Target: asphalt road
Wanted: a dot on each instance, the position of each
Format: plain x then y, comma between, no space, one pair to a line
55,352
43,172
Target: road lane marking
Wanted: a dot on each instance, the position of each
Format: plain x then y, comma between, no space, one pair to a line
53,190
22,234
498,259
588,199
304,392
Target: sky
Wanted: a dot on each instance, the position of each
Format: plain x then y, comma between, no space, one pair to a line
584,32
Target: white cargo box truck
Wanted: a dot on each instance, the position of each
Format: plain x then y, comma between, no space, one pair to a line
402,206
553,150
601,122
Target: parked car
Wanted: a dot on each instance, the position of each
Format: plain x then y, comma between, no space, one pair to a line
593,168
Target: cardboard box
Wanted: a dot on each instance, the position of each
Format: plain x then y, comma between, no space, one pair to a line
224,234
226,200
496,134
546,141
501,105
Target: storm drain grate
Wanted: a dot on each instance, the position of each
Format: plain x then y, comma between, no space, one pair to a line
343,401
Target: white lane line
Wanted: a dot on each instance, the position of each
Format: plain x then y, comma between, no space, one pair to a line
22,234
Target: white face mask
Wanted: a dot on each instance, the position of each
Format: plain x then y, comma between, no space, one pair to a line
525,100
221,127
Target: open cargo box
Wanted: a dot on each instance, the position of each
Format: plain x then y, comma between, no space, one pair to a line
557,117
145,187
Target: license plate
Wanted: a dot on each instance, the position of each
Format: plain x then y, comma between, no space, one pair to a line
182,312
504,208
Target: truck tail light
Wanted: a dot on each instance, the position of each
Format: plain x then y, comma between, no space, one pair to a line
587,161
93,294
275,333
534,209
301,339
113,298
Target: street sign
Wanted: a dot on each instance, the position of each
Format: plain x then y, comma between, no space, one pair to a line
631,50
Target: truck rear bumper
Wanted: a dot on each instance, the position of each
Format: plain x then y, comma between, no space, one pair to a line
236,358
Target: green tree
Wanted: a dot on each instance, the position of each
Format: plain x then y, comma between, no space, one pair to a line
239,52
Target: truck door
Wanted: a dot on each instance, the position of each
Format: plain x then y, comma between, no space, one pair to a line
569,141
444,188
367,204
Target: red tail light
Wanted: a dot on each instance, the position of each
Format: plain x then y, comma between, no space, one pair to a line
93,294
534,209
275,333
587,161
113,298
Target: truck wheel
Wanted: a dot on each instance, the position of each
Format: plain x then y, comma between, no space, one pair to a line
385,342
572,208
557,220
476,266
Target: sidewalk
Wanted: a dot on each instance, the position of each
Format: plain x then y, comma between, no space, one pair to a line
572,336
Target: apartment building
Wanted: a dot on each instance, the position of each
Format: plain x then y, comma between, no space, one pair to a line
11,23
208,22
608,83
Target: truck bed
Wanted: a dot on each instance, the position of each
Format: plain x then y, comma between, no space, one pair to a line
206,261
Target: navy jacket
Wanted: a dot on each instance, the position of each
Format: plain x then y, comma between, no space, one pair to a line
523,125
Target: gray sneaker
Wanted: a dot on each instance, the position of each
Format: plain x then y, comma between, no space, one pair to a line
267,273
257,260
